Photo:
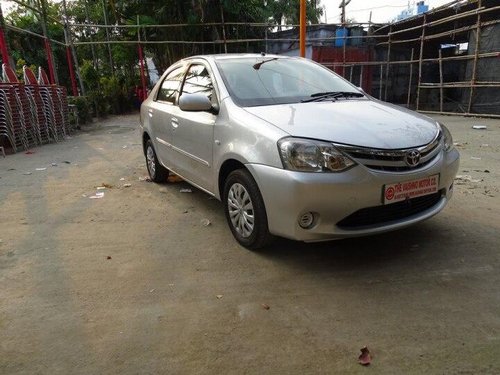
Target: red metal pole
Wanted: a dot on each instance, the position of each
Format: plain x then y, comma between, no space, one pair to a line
143,78
302,28
71,71
3,47
49,61
3,42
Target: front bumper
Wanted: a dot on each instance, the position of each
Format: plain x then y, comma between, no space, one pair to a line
334,196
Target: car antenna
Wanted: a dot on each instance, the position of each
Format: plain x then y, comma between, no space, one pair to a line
257,66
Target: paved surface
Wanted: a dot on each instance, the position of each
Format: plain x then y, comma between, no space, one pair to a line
176,296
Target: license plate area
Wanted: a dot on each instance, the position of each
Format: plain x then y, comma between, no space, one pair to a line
401,191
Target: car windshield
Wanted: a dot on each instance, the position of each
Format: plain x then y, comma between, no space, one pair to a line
270,80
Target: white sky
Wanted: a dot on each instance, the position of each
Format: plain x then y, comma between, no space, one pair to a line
382,10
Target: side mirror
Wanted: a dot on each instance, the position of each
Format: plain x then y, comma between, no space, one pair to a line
361,89
194,102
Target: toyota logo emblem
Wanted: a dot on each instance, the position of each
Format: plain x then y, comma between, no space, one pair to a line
412,158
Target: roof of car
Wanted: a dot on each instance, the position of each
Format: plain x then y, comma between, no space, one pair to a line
227,56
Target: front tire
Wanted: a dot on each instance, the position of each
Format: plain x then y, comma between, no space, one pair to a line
157,172
245,210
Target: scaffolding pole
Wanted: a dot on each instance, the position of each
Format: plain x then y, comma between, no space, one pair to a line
476,52
410,78
420,61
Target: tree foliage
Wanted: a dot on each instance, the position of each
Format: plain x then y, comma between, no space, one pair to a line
201,21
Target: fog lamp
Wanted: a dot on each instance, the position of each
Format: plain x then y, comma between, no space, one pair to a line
306,220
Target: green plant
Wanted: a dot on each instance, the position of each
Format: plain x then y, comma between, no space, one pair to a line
83,107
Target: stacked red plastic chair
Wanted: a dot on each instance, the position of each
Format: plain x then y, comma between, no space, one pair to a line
38,112
24,131
53,105
7,131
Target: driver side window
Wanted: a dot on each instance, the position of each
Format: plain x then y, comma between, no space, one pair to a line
170,86
198,80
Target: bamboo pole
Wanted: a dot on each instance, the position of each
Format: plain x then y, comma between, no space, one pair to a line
223,28
441,91
87,18
50,58
387,64
380,82
445,33
462,114
69,44
476,52
105,13
420,60
361,76
410,78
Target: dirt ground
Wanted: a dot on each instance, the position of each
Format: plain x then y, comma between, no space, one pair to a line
135,282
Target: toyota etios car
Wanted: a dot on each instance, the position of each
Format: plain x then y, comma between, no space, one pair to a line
293,150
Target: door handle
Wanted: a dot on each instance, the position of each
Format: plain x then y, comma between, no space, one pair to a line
150,112
175,123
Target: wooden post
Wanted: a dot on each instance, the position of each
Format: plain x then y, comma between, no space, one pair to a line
441,93
476,52
302,28
411,77
71,52
141,61
48,48
105,13
420,61
380,81
87,19
387,64
223,27
361,76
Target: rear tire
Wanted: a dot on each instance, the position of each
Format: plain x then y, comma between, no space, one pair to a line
245,211
157,172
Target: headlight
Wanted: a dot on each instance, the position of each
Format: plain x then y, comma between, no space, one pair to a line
447,138
307,155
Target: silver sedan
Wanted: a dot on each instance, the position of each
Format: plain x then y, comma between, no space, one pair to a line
294,150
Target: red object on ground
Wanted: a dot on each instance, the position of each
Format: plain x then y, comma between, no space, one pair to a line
364,358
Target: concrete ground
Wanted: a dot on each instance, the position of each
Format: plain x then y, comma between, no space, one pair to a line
135,283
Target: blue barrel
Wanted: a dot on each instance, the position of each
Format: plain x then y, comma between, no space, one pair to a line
340,34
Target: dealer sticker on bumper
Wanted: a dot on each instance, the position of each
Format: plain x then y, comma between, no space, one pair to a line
410,189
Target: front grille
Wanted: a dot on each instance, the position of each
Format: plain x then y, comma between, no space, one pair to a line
390,212
392,160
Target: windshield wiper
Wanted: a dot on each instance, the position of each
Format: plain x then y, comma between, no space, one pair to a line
258,65
316,97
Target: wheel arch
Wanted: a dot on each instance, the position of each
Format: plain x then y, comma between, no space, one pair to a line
225,169
145,138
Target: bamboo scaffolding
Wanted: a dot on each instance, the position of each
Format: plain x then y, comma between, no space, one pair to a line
441,91
17,29
445,33
387,65
474,64
420,60
410,78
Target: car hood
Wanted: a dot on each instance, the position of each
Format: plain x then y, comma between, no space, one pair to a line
365,123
